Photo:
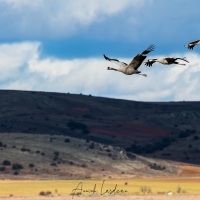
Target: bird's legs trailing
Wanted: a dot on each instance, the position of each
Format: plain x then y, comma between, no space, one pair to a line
143,75
179,63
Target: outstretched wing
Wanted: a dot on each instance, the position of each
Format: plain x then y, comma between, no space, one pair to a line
195,42
181,59
192,44
121,64
149,62
138,59
149,49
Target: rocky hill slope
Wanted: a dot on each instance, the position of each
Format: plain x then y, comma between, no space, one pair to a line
102,130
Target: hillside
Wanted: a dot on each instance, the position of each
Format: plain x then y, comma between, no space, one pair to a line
42,156
158,130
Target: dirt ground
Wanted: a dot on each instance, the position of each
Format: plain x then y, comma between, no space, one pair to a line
131,197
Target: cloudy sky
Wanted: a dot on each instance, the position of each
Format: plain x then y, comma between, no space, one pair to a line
58,45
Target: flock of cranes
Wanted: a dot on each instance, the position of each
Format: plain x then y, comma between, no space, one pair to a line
132,68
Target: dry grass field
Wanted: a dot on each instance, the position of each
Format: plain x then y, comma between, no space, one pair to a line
147,188
132,197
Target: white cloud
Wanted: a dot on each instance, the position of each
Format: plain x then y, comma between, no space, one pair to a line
22,68
127,22
14,57
16,4
56,18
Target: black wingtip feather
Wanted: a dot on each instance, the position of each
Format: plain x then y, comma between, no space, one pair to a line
105,57
149,49
148,64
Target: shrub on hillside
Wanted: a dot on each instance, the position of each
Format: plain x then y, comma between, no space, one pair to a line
186,133
25,149
2,169
131,155
155,166
53,164
17,166
91,146
67,140
31,165
78,125
56,153
150,148
196,137
16,173
6,163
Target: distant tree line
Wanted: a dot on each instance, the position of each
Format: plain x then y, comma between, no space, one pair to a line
160,145
150,148
73,125
186,133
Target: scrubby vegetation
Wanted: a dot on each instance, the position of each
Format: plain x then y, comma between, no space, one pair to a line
156,166
6,163
186,133
2,168
17,166
73,125
31,165
67,140
45,193
151,147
